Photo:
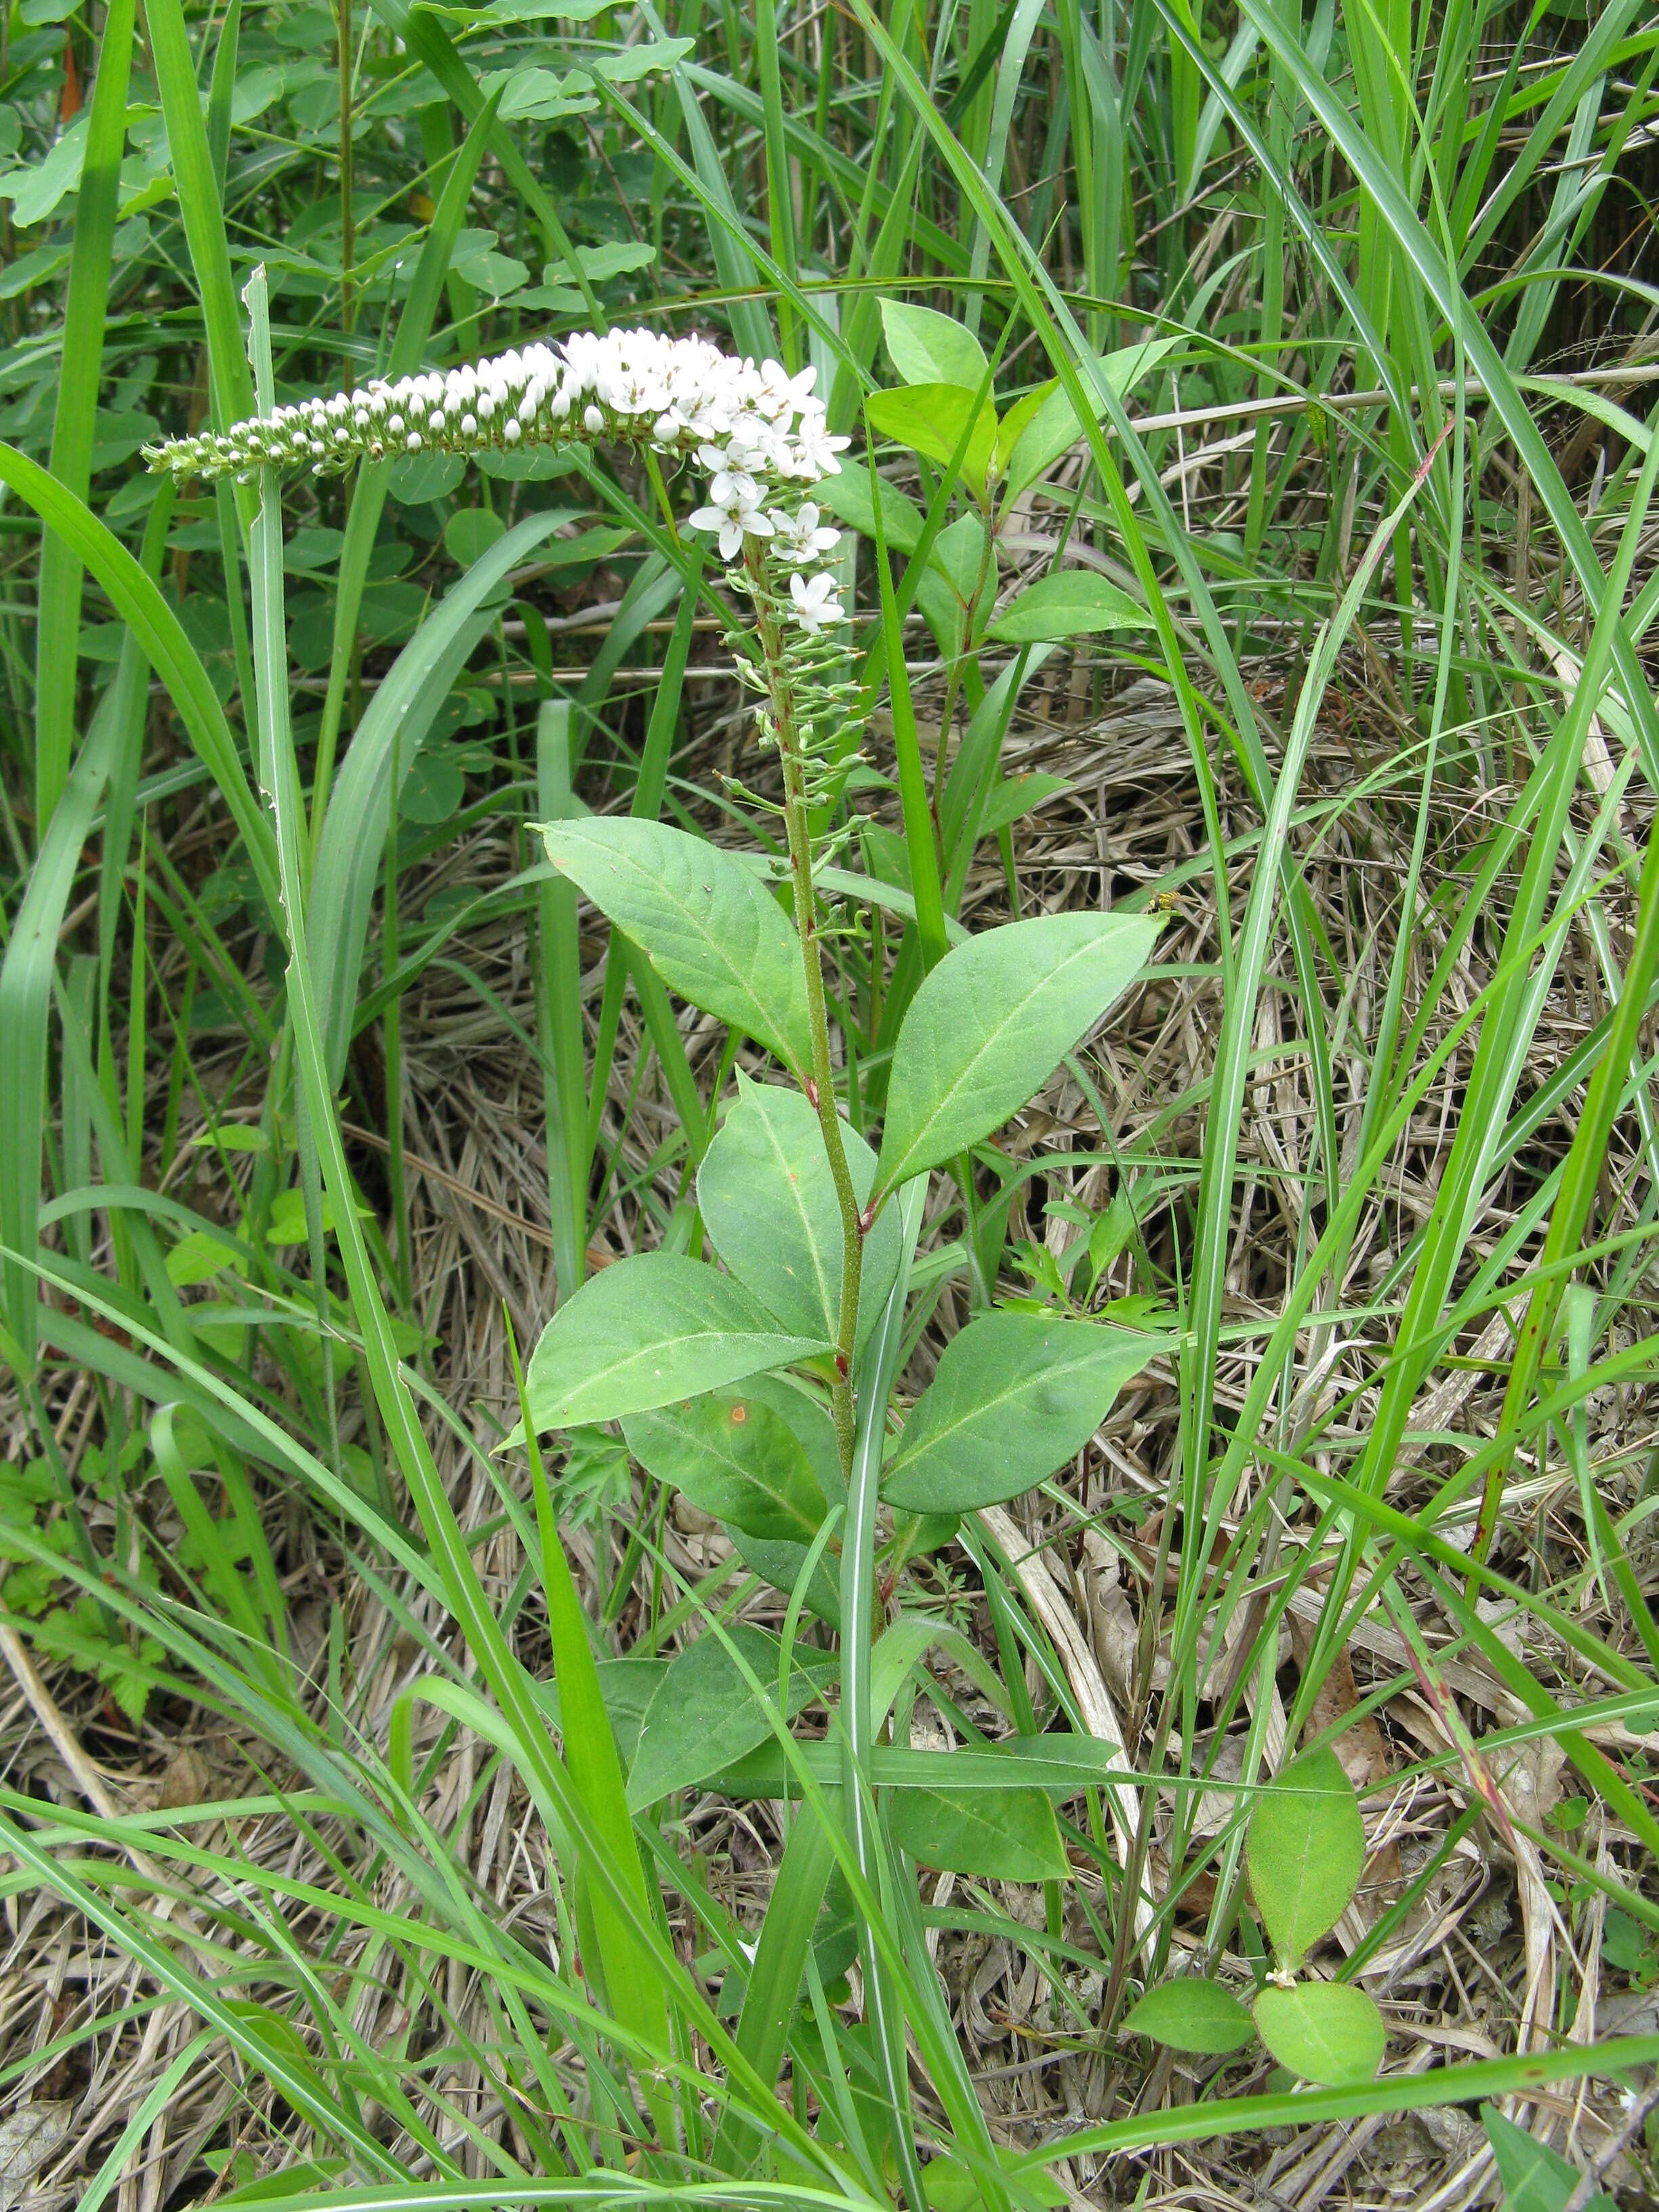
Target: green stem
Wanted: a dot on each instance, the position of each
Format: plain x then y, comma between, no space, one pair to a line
821,1088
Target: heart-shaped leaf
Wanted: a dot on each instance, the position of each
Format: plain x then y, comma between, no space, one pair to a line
705,1717
1192,2015
1074,603
1306,1851
712,930
1327,2032
1015,1396
929,348
992,1023
768,1201
1010,1834
735,1458
646,1332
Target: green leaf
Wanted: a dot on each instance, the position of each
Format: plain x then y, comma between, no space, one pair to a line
704,1715
712,932
1016,1395
769,1200
735,1458
647,1331
992,1022
929,348
850,500
1192,2015
1074,603
1327,2032
1535,2179
1011,1833
1306,1849
1015,796
1053,426
930,418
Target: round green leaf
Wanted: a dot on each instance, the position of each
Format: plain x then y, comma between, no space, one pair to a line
1327,2032
1015,1396
1306,1851
1192,2015
735,1458
432,789
470,532
1074,603
768,1201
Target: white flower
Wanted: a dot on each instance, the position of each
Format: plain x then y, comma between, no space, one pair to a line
815,449
816,602
799,537
737,516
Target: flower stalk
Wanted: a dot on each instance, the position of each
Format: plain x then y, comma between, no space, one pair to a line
784,718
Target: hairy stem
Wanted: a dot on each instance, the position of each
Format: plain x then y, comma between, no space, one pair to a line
780,695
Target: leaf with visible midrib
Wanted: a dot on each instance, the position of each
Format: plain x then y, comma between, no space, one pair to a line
735,1458
1327,2032
1192,2015
1073,605
1306,1851
704,1716
992,1023
1007,1834
768,1201
711,930
647,1331
1015,1395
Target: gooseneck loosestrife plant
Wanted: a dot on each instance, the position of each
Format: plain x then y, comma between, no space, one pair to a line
815,1230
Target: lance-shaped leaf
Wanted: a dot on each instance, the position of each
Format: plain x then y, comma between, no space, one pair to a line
646,1332
704,1715
992,1022
768,1201
1016,1395
710,928
1074,603
1009,1834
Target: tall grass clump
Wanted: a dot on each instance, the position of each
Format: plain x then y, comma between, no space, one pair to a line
828,1165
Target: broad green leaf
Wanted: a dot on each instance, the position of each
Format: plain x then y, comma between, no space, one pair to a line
735,1458
1054,427
849,497
711,930
1327,2032
627,1686
647,1331
1192,2015
1016,1395
704,1715
1535,2179
1306,1849
1074,603
992,1023
1011,1833
929,348
768,1201
930,418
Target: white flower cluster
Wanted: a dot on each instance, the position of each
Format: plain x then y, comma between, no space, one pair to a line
758,433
